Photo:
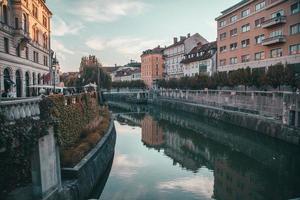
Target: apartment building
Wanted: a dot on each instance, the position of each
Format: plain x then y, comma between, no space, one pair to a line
200,60
152,68
174,53
259,33
24,45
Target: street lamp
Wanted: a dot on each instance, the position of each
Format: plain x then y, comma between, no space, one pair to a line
53,70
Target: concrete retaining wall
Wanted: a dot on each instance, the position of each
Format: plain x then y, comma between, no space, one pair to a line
79,181
250,121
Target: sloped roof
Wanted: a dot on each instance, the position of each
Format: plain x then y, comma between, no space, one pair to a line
204,50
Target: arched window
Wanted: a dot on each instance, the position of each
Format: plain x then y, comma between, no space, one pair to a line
24,23
33,79
39,79
5,14
27,84
18,83
7,81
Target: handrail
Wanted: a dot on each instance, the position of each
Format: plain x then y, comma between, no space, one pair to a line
277,19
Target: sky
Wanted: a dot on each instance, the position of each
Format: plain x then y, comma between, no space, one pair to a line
117,31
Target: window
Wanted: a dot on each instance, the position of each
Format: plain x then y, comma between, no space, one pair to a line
259,55
277,14
295,29
44,21
18,53
26,53
222,49
295,49
24,23
259,22
259,39
45,41
222,36
233,18
245,13
245,58
276,53
276,33
245,28
222,23
35,56
295,8
45,60
223,62
6,45
260,6
233,46
233,32
34,11
233,60
17,23
245,43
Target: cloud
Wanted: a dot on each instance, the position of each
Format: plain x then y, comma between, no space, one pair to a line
127,167
123,45
107,10
61,50
201,186
61,28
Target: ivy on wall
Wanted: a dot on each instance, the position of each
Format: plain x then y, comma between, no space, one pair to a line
17,142
73,114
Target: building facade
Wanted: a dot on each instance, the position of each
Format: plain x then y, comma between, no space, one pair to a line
127,74
174,53
200,60
152,68
24,45
258,34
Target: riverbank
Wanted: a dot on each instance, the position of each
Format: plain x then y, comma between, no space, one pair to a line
249,121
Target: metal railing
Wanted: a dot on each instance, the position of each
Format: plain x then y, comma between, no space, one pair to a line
268,104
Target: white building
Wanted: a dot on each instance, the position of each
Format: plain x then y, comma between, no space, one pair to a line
127,74
24,45
174,54
201,60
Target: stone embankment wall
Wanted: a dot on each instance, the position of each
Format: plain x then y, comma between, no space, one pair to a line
79,181
250,121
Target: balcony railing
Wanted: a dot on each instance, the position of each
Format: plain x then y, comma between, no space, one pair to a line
274,21
18,109
274,40
21,33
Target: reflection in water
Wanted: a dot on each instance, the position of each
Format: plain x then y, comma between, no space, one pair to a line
187,157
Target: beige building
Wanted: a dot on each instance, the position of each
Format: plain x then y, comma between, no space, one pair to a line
175,52
259,33
24,45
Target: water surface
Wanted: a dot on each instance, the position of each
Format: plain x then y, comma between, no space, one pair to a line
162,154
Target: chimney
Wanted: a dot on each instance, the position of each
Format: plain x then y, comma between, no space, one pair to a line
175,40
158,46
182,38
188,35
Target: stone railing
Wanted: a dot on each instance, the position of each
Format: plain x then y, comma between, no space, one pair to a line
268,104
18,109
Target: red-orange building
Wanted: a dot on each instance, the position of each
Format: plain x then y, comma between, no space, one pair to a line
259,33
152,134
152,66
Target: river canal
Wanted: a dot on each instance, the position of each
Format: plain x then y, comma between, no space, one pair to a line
162,154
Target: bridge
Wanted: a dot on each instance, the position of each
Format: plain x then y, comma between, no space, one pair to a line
134,96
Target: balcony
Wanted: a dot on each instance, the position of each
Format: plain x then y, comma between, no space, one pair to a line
274,21
21,34
274,40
